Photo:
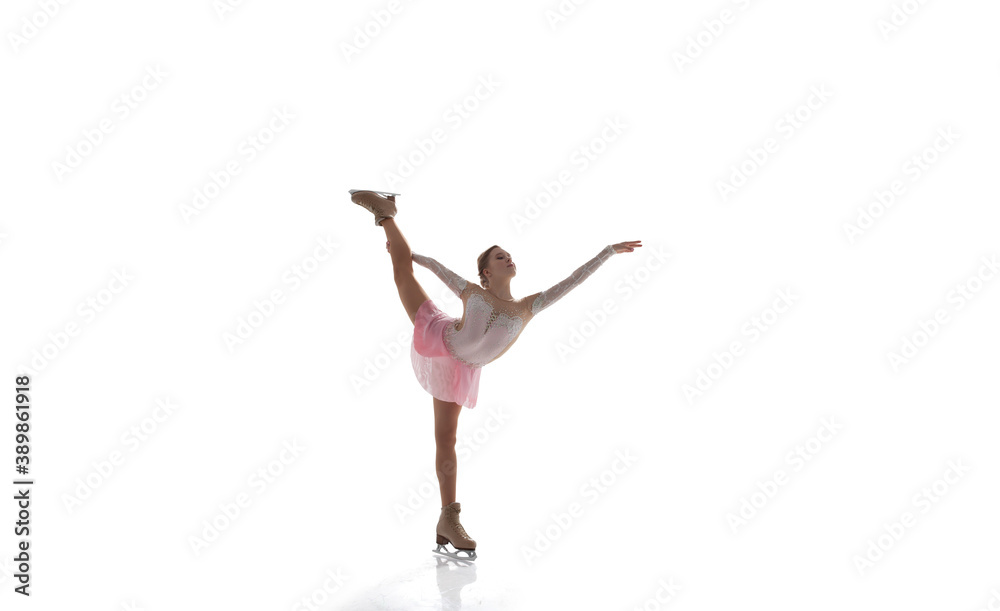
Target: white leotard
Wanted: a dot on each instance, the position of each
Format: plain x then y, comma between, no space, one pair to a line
490,325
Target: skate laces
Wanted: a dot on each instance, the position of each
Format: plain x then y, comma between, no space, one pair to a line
453,520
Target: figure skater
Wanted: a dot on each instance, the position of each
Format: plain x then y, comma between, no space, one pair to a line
448,354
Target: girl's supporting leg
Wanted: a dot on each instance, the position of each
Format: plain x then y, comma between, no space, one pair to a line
410,291
445,434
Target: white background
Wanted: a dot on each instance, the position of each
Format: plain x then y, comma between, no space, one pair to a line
356,115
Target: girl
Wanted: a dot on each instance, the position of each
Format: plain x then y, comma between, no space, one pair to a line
447,353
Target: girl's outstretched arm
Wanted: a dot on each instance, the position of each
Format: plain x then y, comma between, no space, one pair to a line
556,292
456,283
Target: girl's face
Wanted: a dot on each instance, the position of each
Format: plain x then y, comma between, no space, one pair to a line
500,265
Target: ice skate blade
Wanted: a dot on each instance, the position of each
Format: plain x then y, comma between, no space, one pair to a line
353,191
443,551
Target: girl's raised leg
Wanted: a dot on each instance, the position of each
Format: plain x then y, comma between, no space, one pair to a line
410,292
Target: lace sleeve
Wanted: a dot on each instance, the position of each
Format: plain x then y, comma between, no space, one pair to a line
554,294
454,282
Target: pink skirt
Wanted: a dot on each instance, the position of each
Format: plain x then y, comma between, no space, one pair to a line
439,373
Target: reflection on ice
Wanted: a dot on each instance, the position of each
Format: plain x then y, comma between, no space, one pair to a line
452,576
440,583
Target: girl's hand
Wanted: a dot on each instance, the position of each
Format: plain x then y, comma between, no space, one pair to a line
627,246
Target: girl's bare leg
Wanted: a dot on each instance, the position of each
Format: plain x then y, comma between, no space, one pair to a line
445,433
410,291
